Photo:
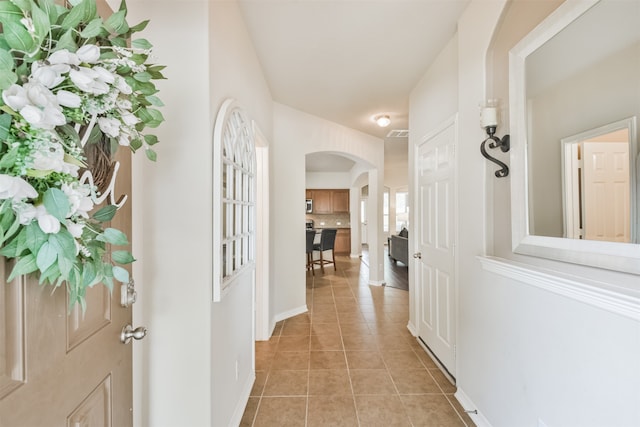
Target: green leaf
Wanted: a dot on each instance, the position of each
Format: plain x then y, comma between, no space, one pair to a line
9,159
93,29
10,250
67,41
74,17
35,237
139,27
17,36
51,274
142,77
95,136
9,12
135,144
22,4
65,245
68,133
6,60
122,257
46,256
41,22
150,116
120,274
151,155
90,10
141,44
7,78
154,100
113,236
106,213
65,264
89,275
151,139
25,265
116,23
5,125
56,203
49,7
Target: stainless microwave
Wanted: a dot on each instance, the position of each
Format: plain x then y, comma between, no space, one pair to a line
309,206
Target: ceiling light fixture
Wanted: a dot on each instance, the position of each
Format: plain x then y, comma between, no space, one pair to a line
383,121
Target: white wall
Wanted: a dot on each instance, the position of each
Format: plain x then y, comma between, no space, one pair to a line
187,362
524,353
324,180
296,134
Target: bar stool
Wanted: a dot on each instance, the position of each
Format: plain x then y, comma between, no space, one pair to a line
327,242
311,235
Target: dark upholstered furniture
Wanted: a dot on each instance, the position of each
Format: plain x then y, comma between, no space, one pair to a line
399,247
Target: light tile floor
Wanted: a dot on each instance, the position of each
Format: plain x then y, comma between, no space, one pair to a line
349,361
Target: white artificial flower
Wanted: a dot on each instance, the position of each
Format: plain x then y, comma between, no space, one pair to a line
16,188
88,80
28,24
75,229
123,104
47,76
45,118
25,212
49,156
124,139
63,56
109,126
128,118
79,199
39,95
49,224
104,75
15,96
68,99
89,53
122,86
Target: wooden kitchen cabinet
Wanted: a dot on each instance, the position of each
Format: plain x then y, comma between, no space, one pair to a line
329,201
343,241
322,202
340,201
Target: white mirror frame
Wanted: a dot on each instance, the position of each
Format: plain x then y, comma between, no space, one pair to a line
624,257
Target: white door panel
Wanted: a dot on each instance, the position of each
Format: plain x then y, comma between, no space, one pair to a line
435,270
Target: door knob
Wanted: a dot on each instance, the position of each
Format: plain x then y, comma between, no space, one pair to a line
128,332
418,255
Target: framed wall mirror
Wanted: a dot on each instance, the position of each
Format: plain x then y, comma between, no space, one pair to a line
574,102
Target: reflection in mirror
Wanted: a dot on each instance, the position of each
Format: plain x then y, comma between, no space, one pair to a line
599,195
575,92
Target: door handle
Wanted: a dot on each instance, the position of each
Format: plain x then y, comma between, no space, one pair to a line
128,332
417,255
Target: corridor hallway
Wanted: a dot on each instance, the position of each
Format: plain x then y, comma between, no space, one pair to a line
349,361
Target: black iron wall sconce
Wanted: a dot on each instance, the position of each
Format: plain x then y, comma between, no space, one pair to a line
489,121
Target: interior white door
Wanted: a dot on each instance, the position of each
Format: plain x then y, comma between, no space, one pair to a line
66,369
607,207
363,221
435,239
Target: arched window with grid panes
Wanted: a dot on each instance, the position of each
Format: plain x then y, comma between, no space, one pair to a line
234,182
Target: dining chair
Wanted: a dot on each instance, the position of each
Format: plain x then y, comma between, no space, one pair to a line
311,235
327,242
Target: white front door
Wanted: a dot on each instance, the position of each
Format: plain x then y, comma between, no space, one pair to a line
435,242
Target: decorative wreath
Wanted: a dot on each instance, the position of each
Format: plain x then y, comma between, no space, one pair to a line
74,87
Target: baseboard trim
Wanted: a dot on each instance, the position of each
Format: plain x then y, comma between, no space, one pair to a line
244,399
473,413
412,328
290,313
377,282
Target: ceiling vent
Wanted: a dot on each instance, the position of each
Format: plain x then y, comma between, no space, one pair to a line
397,133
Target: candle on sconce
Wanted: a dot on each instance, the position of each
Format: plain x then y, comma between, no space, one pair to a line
489,117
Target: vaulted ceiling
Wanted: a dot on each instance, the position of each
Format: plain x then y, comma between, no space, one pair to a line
349,60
